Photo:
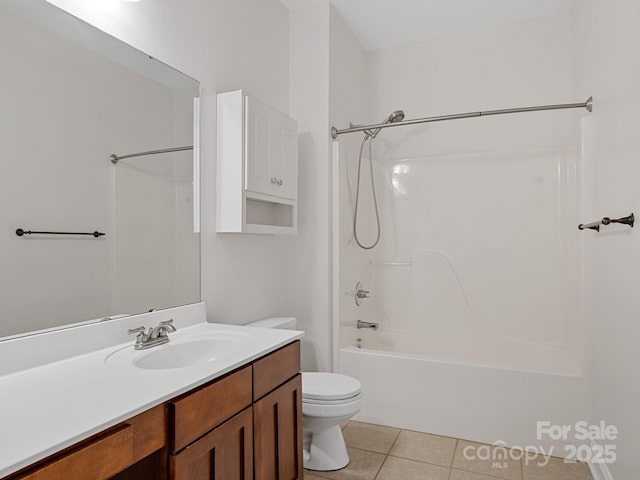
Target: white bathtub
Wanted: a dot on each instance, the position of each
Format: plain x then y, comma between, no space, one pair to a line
473,346
463,400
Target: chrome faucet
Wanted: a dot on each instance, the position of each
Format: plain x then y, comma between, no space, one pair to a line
156,336
371,325
361,293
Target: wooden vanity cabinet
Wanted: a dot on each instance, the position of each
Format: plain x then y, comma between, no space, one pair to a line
245,425
262,439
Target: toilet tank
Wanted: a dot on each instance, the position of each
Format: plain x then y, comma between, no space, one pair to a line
283,323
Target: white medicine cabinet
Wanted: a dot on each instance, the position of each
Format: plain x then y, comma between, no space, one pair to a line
257,168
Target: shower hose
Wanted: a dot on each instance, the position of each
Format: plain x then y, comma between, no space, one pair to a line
373,190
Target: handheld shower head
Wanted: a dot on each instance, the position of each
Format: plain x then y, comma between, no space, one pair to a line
395,117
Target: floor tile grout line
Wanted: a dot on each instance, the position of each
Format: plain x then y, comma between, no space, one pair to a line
381,466
374,451
455,450
453,457
479,473
420,461
386,457
395,440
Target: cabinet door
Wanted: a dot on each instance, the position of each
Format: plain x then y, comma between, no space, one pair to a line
271,150
277,426
222,454
260,147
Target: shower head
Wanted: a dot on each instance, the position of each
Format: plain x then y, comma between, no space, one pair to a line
395,117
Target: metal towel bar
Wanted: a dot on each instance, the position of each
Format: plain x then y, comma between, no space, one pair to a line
20,232
630,220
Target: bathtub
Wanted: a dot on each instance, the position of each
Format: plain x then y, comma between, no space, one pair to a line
463,399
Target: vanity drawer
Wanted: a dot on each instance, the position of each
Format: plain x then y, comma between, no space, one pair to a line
106,454
275,369
194,414
100,459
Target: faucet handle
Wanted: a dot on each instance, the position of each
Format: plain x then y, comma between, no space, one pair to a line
139,330
163,329
168,326
142,335
360,293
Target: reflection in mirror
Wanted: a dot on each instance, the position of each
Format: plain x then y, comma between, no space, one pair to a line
71,97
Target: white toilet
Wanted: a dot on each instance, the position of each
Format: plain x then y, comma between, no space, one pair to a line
328,399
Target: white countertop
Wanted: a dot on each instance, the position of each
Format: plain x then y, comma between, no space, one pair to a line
47,408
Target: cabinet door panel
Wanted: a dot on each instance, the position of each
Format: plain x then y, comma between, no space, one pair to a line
259,147
222,454
277,425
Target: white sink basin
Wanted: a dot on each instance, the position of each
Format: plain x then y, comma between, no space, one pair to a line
183,351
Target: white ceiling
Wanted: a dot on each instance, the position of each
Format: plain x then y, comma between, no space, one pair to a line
380,24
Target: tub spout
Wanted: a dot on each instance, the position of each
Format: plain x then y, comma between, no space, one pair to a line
371,325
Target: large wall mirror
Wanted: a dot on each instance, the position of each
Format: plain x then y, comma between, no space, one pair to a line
70,98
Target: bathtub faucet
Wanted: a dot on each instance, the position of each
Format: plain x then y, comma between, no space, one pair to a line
371,325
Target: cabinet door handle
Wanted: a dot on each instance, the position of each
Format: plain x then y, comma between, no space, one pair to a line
274,180
279,182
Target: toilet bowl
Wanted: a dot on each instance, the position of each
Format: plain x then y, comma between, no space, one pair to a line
328,399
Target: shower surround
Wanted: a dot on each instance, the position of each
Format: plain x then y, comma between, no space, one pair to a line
476,282
475,292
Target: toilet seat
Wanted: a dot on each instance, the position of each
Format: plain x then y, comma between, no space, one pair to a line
332,388
342,401
328,410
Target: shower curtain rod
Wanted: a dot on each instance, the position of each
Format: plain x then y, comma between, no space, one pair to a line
116,158
562,106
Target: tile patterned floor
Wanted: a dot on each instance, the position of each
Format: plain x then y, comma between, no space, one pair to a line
385,453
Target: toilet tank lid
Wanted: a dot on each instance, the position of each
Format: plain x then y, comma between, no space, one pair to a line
284,323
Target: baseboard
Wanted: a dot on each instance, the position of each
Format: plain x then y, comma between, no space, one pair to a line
600,471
